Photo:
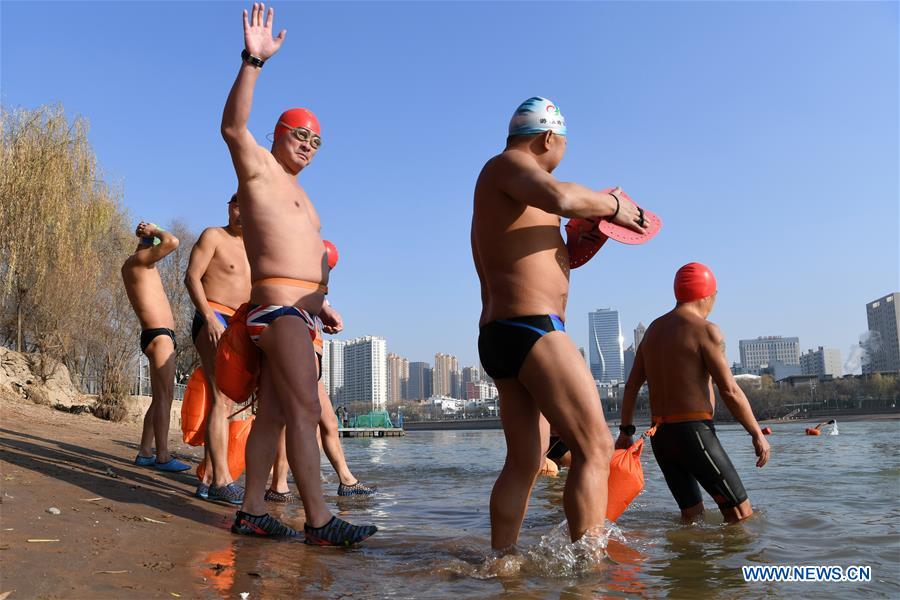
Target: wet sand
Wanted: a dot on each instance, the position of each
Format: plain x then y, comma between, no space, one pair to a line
122,531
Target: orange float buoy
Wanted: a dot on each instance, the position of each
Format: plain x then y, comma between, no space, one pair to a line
238,432
626,479
194,406
767,430
550,468
811,431
237,359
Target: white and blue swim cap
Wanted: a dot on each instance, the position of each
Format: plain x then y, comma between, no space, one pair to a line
537,115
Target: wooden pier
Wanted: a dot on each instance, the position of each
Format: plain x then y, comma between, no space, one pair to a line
354,432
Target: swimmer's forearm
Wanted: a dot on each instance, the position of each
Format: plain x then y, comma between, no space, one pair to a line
739,406
579,201
628,402
236,114
198,295
168,243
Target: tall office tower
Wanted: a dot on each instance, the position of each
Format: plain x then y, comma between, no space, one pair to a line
444,365
365,372
639,332
769,350
605,346
333,369
419,375
398,377
883,343
824,362
629,360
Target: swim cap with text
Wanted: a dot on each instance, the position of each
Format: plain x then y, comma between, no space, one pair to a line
537,115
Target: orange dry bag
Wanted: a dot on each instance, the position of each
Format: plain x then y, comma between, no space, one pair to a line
238,432
811,431
237,359
194,407
626,479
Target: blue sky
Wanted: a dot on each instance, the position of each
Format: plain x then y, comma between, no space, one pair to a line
764,134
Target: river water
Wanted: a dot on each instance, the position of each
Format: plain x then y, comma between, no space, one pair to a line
826,500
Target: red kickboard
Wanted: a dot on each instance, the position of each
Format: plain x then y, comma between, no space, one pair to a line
627,236
583,241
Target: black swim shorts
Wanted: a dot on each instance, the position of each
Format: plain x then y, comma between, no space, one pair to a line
148,335
690,453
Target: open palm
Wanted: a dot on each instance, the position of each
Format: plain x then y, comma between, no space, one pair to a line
258,38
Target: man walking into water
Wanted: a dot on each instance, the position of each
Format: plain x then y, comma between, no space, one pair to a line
218,281
523,264
148,298
680,352
289,271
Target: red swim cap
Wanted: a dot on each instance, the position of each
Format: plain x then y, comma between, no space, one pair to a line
694,281
297,117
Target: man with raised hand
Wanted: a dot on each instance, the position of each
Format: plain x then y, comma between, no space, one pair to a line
218,281
680,356
289,271
148,298
523,264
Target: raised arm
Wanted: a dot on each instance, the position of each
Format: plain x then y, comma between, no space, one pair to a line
712,347
531,185
246,154
148,256
635,380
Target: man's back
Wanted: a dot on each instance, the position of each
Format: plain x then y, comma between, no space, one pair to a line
519,253
672,358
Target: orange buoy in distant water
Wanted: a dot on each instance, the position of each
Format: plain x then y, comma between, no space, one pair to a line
767,430
550,469
811,431
626,479
194,406
238,432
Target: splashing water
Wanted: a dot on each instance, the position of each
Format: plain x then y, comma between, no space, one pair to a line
834,429
554,556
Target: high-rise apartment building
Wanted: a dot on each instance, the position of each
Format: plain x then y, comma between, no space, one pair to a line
333,370
639,332
824,362
605,346
445,365
419,385
365,372
398,377
768,351
882,346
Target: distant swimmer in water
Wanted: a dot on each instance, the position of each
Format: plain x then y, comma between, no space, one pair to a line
523,266
151,305
679,353
289,272
817,430
218,281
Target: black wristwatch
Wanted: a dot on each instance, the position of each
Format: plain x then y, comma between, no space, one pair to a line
627,429
253,61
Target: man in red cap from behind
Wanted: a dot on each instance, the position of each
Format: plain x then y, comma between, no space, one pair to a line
289,272
677,357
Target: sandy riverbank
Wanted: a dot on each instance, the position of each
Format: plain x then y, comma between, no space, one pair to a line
122,531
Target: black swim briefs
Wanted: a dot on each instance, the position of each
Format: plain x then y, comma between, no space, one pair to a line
148,335
689,453
503,345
